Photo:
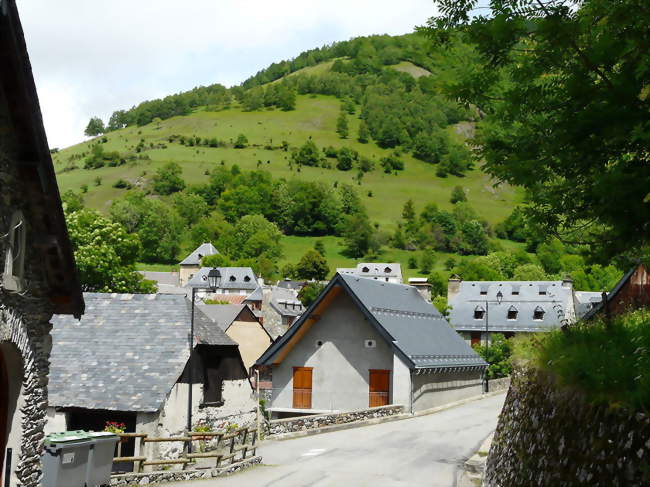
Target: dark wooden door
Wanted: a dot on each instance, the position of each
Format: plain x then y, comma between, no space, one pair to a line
4,412
302,387
379,385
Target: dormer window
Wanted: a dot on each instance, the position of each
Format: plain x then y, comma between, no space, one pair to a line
233,278
538,314
365,269
542,293
483,293
512,313
479,313
247,278
12,278
387,270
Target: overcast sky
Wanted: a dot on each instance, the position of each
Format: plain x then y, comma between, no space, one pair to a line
92,57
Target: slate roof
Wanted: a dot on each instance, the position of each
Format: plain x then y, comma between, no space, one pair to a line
207,331
222,314
125,354
285,302
556,304
231,278
167,278
201,251
414,328
256,295
289,284
585,301
374,270
611,295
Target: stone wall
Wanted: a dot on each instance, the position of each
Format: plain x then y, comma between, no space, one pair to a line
303,423
550,435
501,384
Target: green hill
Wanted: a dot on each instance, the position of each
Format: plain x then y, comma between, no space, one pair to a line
140,149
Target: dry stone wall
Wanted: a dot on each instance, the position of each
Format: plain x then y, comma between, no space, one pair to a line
550,435
303,423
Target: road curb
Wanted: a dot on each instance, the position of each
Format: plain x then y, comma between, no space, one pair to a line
373,421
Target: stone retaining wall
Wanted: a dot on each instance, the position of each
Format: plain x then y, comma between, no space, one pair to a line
181,475
550,435
303,423
501,384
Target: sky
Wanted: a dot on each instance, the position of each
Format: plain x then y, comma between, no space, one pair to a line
92,57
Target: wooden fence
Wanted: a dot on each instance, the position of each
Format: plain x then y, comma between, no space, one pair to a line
229,447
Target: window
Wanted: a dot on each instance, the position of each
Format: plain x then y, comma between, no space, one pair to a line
387,270
475,338
542,293
233,278
483,293
319,343
369,343
479,313
512,313
515,293
12,278
538,314
365,269
247,278
212,380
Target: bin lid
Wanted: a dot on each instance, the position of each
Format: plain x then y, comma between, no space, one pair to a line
67,437
101,434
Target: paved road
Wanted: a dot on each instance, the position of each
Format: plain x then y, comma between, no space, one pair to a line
422,451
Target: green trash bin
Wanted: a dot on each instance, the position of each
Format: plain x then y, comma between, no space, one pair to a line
65,459
100,460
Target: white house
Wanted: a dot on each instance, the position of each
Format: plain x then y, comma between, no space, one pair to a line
387,272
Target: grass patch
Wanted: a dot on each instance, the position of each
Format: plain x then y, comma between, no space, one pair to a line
611,364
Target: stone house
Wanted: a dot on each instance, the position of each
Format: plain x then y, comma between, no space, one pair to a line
129,361
239,323
191,264
387,272
366,343
38,270
509,307
631,292
280,309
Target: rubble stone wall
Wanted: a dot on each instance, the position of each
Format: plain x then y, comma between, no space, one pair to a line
549,435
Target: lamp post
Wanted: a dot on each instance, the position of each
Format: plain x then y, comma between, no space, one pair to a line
214,281
487,334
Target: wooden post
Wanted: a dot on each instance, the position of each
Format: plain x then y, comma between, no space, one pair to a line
257,388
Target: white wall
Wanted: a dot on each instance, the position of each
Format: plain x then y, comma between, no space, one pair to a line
401,383
436,389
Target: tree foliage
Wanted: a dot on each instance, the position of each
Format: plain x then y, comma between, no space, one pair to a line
312,266
95,127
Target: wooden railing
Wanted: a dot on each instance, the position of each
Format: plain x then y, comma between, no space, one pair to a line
230,447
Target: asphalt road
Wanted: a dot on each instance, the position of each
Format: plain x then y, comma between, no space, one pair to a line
421,451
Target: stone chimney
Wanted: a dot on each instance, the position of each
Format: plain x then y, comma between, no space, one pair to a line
453,287
567,282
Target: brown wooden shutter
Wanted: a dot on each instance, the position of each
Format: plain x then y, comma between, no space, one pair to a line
302,387
379,387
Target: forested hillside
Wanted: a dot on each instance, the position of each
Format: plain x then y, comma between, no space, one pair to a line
353,149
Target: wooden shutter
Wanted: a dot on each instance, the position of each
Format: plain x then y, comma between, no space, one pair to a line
476,338
379,386
302,387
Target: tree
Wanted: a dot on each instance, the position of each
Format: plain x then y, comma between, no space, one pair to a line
309,293
497,355
191,207
458,195
241,142
105,254
95,127
364,134
408,211
251,237
209,229
529,272
342,125
549,255
535,65
319,247
359,236
431,147
307,155
345,158
168,180
72,201
426,262
412,262
312,266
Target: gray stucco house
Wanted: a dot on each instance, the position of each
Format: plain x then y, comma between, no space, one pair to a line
382,271
511,307
128,360
366,343
38,276
192,263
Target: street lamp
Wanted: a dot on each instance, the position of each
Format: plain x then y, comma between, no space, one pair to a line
214,281
487,334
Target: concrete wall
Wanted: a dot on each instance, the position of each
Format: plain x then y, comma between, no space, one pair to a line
57,421
436,389
401,383
252,340
340,364
186,272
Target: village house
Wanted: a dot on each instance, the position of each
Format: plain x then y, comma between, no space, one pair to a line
511,307
128,360
366,343
280,309
239,323
238,285
391,272
191,264
630,293
38,270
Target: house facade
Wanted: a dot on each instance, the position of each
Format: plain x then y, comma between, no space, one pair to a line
631,292
235,281
38,270
280,309
387,272
239,323
191,264
366,343
479,308
129,361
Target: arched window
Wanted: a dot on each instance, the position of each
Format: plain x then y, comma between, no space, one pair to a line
512,313
14,270
479,313
538,314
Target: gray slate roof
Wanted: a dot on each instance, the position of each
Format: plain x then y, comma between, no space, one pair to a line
374,270
231,278
256,295
222,314
414,328
285,302
125,354
556,304
206,331
585,301
201,251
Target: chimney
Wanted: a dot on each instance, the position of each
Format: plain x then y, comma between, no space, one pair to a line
453,287
567,282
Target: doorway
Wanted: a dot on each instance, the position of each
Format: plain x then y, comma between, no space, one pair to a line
302,387
379,386
4,413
